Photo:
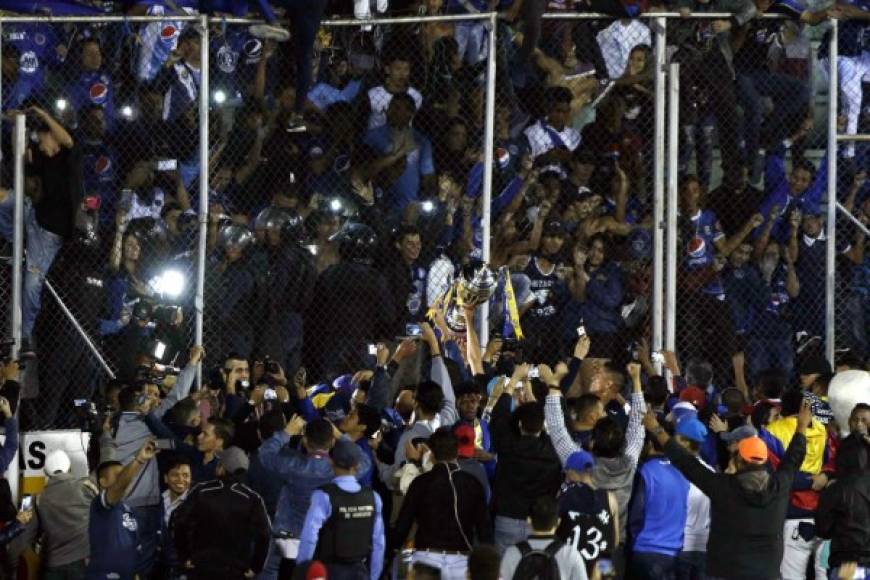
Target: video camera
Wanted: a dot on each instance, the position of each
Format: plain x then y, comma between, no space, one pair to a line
7,346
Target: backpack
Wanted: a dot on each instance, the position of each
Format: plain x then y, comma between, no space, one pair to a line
538,564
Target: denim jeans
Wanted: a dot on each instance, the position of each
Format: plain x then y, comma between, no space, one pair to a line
305,17
41,247
452,566
691,565
471,37
769,353
509,531
790,98
148,521
652,566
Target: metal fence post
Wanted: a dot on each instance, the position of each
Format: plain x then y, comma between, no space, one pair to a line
659,182
204,99
831,257
19,148
20,140
488,144
671,222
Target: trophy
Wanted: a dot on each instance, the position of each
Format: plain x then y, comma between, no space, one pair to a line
473,287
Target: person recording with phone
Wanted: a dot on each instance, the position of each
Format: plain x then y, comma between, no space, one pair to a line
129,431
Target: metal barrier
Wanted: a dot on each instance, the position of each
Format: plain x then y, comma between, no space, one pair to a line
587,137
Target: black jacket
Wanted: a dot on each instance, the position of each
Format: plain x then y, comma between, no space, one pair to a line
747,512
222,527
431,503
527,467
843,515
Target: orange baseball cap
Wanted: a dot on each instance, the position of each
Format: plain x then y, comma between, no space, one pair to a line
753,450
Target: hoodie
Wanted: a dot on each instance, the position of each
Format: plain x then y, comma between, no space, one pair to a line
747,511
614,474
844,507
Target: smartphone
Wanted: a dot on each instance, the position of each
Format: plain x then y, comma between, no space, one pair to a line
581,330
413,330
534,373
26,503
92,203
167,165
159,350
270,395
80,402
165,444
373,349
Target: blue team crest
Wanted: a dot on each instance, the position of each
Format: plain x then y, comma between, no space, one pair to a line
129,522
227,59
29,62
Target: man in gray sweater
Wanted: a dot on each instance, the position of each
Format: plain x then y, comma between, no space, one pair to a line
62,510
128,434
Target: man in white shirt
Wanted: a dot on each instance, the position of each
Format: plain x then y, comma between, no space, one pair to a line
691,561
551,140
617,40
177,478
397,73
544,520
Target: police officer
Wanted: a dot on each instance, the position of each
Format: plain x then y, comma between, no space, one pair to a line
286,290
343,527
352,304
232,291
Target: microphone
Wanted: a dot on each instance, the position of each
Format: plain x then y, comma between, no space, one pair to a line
316,571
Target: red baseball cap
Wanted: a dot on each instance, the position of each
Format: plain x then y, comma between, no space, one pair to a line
695,396
465,435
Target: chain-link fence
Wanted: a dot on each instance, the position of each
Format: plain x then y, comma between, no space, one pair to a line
389,131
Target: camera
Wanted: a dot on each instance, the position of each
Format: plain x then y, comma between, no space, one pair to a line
86,413
271,366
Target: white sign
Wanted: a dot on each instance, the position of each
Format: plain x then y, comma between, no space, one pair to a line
36,445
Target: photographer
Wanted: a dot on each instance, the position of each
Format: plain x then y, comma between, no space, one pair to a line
129,432
49,211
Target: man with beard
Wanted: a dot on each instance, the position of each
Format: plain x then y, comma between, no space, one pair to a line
760,298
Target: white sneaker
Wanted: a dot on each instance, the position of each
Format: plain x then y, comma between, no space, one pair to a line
269,32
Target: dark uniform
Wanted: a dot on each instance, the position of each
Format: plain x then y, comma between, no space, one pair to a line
345,540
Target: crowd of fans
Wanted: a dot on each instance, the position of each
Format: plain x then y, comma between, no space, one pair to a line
430,463
345,174
383,126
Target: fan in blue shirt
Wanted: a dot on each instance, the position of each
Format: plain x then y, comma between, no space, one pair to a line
113,529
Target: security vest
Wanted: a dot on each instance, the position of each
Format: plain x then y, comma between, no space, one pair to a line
346,537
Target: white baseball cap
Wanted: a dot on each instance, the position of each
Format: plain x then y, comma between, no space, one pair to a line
57,463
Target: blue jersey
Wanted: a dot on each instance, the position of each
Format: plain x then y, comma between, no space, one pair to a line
182,82
114,536
100,175
157,40
37,48
93,88
701,249
235,57
853,35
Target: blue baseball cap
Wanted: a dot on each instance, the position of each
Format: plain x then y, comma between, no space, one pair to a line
692,429
579,461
